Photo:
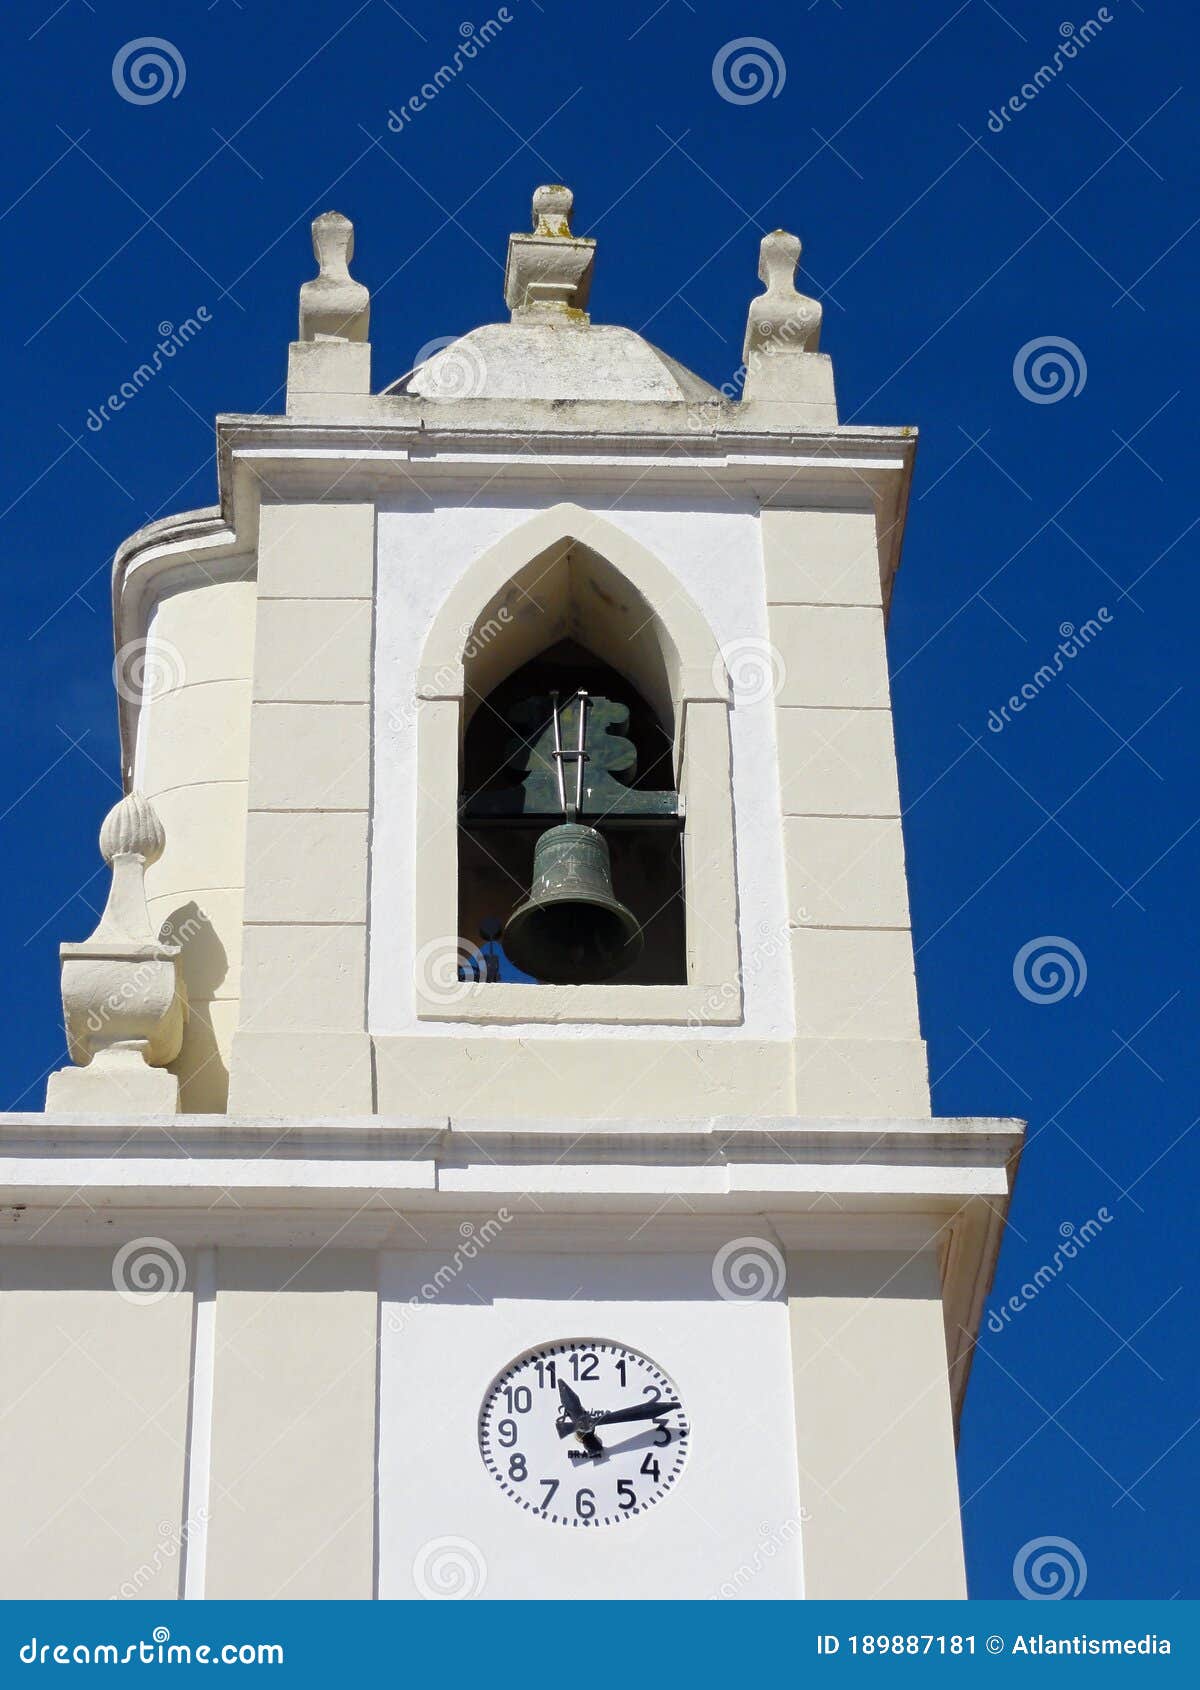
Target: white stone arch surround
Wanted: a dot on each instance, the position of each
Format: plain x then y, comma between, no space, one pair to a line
691,652
699,707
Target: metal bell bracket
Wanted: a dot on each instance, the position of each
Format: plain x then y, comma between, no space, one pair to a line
601,754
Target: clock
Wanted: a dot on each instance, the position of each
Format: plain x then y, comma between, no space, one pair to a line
583,1433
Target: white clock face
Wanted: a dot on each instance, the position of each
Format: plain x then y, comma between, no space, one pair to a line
583,1433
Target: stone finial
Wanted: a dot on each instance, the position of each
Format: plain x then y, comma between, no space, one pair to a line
334,306
549,273
781,319
329,367
132,828
124,1001
783,367
552,208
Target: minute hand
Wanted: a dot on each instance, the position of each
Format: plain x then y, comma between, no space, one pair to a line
638,1411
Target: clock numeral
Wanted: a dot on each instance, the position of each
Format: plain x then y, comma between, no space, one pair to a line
585,1504
551,1486
663,1432
547,1374
519,1398
506,1433
626,1494
585,1367
650,1466
518,1470
621,1367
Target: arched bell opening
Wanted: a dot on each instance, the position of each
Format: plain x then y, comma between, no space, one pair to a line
569,591
535,891
572,574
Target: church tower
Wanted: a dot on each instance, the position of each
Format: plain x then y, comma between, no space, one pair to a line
496,1156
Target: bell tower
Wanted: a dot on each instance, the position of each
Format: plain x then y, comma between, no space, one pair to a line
503,1030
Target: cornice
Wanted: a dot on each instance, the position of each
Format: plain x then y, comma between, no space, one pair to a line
463,1140
430,1182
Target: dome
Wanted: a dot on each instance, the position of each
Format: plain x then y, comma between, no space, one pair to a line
552,360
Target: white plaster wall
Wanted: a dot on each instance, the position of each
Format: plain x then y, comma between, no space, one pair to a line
737,1504
715,552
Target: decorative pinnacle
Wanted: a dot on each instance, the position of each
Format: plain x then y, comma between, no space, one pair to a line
333,306
781,318
132,828
552,208
549,272
333,245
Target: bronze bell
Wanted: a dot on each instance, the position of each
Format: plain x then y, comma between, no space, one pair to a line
571,929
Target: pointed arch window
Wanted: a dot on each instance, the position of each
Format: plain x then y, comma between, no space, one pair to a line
586,610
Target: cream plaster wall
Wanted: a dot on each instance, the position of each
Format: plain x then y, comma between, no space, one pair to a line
93,1430
275,1455
851,942
873,1420
291,1502
302,1043
193,762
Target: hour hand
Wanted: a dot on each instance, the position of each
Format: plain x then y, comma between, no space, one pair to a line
637,1411
572,1414
574,1418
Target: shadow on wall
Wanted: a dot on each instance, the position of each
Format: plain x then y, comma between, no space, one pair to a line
200,1066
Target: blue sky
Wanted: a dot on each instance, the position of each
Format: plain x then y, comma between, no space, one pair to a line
942,247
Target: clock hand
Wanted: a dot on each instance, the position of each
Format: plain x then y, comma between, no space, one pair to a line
572,1410
638,1411
575,1418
